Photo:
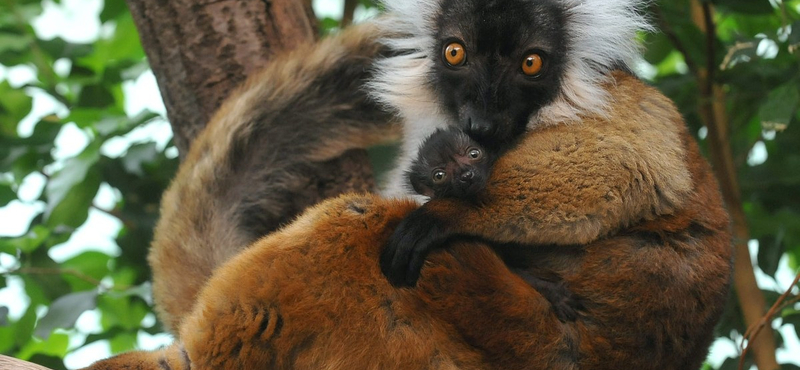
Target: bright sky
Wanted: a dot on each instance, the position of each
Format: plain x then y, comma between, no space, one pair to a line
77,21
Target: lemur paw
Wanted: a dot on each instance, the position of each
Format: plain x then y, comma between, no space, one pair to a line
413,239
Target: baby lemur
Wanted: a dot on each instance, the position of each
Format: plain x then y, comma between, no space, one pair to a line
452,165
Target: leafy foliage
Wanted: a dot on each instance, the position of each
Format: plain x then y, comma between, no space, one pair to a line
756,53
91,99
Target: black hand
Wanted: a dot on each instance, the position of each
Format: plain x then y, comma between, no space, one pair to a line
416,236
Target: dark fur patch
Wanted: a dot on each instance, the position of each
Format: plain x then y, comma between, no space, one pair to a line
490,90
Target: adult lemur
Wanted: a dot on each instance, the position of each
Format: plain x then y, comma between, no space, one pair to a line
606,179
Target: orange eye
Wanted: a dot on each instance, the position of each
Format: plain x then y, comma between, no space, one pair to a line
454,54
532,65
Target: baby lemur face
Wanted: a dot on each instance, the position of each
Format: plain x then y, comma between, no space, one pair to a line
450,165
497,62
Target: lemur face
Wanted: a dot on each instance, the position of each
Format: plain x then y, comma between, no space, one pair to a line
496,63
450,165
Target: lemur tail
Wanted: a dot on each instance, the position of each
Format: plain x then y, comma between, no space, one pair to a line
244,172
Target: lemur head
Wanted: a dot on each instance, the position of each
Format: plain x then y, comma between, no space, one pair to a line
497,67
498,62
450,165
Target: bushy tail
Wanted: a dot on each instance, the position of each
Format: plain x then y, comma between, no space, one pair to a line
245,173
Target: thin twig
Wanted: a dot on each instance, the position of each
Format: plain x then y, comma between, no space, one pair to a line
754,329
675,40
64,271
711,54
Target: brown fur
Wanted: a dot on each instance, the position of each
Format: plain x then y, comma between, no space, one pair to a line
574,184
242,170
653,279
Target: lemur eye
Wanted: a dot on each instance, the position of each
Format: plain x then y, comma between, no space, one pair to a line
454,54
532,64
439,176
475,153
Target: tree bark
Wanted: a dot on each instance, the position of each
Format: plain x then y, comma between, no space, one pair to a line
200,50
349,12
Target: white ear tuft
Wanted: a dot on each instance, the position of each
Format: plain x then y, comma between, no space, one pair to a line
601,37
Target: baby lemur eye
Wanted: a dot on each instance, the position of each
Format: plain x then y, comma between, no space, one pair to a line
439,176
454,54
474,153
532,65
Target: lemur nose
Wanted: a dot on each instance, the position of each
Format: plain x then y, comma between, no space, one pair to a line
467,176
478,127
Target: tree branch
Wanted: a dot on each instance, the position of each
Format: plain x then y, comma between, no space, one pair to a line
349,11
57,271
776,308
714,115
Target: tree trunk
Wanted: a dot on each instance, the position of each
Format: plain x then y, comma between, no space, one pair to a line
714,114
200,50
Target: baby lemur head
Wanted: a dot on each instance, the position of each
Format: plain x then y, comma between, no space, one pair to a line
450,165
496,67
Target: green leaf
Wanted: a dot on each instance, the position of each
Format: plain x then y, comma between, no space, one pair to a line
3,316
14,106
124,311
137,155
658,48
113,9
23,329
81,74
779,108
92,264
749,7
73,209
124,342
50,362
84,117
26,243
121,125
105,334
124,45
71,176
26,10
792,319
769,253
63,312
6,338
7,194
56,345
10,42
95,96
730,363
58,48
